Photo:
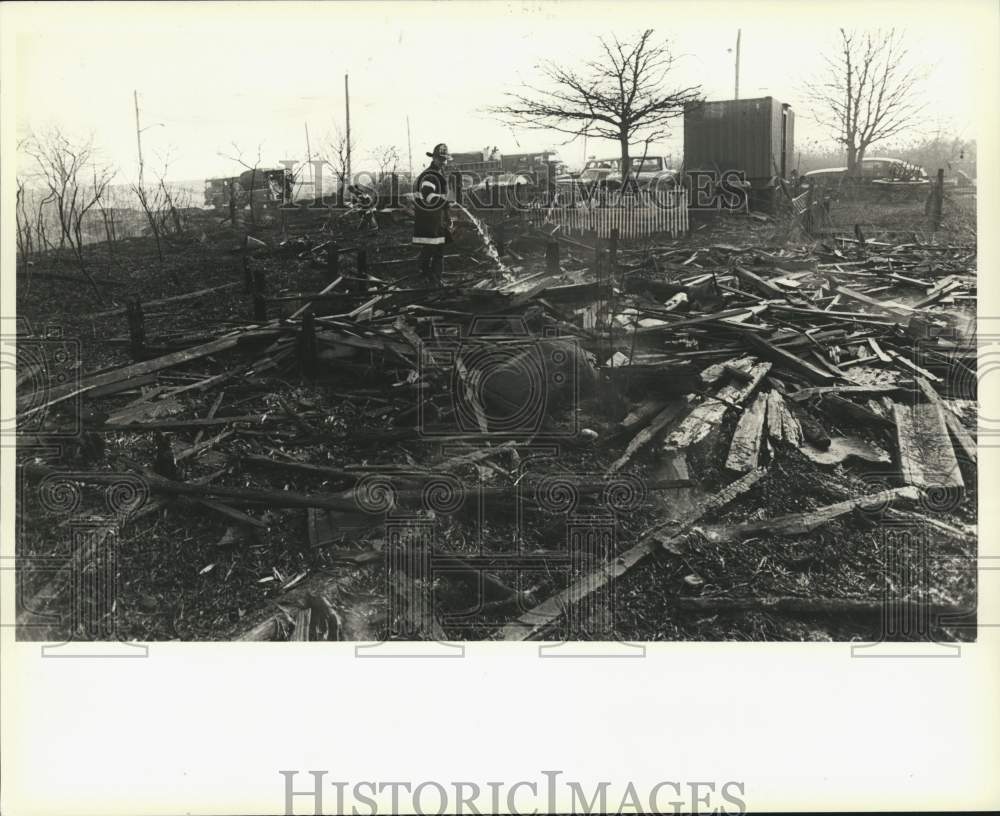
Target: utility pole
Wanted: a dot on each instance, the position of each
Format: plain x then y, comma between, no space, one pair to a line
347,108
409,147
138,134
312,172
737,90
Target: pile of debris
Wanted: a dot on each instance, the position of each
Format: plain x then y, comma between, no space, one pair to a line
655,386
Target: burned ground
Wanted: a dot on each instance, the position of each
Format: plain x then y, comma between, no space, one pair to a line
296,479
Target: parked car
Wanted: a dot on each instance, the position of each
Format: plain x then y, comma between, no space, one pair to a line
884,172
649,170
596,171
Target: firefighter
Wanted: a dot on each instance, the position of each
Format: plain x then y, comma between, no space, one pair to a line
432,222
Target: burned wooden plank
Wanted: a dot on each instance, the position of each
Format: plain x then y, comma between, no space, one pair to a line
840,607
786,359
324,291
200,447
836,404
938,291
965,439
641,414
782,426
885,358
144,409
139,426
673,466
231,513
668,539
849,390
484,454
926,455
766,288
275,498
961,532
708,414
60,393
694,321
670,412
540,619
800,523
714,373
744,450
908,365
216,404
172,299
881,306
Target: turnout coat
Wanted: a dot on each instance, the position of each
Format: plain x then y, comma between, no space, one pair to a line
430,218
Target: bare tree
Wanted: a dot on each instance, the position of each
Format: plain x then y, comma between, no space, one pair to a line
622,95
107,211
62,163
171,199
334,154
866,94
151,201
41,222
386,159
253,175
25,244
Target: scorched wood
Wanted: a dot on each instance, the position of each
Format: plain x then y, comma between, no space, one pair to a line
926,455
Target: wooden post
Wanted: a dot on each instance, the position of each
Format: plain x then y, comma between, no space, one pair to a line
550,184
501,239
362,261
938,199
333,260
258,281
259,308
552,256
246,263
307,345
259,304
613,249
136,329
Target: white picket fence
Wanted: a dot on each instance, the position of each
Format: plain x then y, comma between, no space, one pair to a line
633,217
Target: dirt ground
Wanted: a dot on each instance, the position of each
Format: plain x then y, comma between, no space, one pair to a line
187,573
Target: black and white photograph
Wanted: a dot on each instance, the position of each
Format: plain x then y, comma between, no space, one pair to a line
421,328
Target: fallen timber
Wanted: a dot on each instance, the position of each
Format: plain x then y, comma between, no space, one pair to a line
765,353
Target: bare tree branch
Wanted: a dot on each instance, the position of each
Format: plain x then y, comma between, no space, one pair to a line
61,164
865,94
622,96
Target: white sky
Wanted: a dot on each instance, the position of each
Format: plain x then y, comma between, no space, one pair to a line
255,73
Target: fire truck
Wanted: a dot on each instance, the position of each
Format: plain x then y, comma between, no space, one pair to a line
269,187
480,164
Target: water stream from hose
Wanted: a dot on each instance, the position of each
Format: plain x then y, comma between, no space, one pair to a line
488,245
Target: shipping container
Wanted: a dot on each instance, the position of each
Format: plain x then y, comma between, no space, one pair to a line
753,136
